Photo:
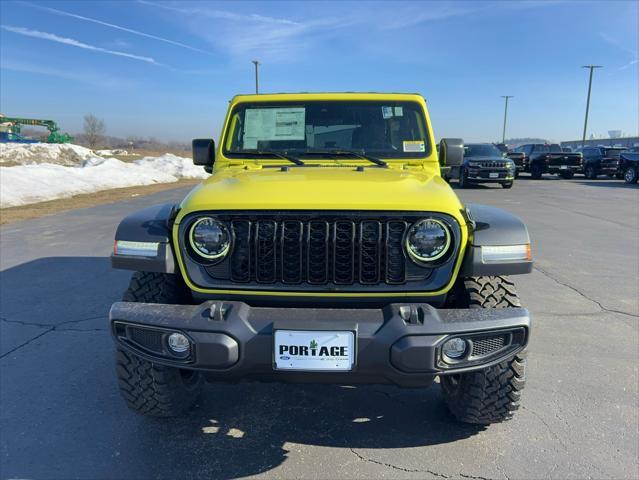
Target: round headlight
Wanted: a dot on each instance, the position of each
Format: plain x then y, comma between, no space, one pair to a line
428,240
209,238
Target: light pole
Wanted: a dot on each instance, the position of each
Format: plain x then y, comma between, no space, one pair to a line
591,67
257,84
503,133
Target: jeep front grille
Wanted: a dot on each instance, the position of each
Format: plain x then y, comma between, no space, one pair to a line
318,252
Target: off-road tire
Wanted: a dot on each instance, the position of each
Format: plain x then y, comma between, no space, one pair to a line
536,172
151,287
631,175
148,388
463,178
507,185
492,394
590,172
156,390
486,396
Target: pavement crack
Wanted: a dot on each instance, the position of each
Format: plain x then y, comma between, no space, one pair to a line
582,294
416,470
27,342
550,430
49,328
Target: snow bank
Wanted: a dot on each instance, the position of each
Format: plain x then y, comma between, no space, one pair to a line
34,153
115,151
24,184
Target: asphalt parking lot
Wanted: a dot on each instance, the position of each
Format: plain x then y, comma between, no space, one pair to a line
61,415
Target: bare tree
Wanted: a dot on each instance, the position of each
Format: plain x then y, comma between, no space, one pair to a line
94,129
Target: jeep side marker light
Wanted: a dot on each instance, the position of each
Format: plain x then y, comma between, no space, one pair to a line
139,249
454,348
505,253
178,343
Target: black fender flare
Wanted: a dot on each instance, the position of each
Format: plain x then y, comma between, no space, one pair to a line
152,224
495,227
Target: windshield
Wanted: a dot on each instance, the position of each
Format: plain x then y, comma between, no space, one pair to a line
555,149
382,129
474,150
539,148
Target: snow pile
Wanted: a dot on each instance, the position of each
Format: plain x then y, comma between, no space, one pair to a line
114,151
24,184
34,153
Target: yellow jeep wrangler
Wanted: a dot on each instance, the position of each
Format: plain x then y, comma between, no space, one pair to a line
324,247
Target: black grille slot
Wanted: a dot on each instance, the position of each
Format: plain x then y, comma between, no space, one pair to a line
148,339
292,242
317,240
370,238
395,261
344,253
241,257
487,345
265,251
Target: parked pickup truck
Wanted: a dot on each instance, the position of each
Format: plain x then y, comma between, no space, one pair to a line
540,158
517,157
601,161
629,165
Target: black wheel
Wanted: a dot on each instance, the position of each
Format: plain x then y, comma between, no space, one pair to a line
147,388
567,175
463,178
516,173
492,394
631,175
507,185
590,172
536,171
155,390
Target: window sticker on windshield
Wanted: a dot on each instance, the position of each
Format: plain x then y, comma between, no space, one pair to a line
399,111
387,112
273,124
414,146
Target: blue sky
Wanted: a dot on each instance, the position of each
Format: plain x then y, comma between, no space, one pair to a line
168,69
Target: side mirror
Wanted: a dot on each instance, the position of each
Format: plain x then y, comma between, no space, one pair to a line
204,153
451,152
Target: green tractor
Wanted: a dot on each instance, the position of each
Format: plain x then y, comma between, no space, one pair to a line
10,128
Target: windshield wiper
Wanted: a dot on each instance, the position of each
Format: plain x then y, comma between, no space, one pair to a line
283,156
341,153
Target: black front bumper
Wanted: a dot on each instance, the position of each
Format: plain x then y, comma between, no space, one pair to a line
232,340
483,175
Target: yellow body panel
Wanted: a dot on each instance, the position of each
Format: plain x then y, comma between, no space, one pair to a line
411,184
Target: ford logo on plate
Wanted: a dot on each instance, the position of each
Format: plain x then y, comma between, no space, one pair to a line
284,357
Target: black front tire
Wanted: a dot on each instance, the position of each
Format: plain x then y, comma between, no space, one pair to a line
492,394
507,185
631,175
590,172
148,388
463,178
156,390
536,171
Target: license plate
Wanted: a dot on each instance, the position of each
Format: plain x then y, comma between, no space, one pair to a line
564,167
493,175
314,350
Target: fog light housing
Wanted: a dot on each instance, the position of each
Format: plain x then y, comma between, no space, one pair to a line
455,348
178,343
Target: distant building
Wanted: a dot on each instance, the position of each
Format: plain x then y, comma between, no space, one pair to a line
603,142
